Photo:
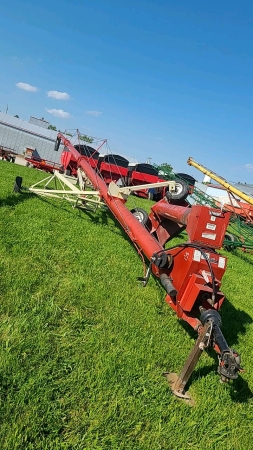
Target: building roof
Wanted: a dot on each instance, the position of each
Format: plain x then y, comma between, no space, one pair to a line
215,186
243,187
246,188
23,125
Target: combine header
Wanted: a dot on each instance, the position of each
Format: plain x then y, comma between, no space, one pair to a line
190,273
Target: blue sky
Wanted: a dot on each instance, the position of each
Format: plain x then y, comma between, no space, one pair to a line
165,80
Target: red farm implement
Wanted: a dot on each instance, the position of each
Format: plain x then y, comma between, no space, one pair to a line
7,154
112,167
143,174
146,174
87,152
43,164
190,273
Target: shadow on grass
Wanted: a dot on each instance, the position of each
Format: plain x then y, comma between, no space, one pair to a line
63,205
238,389
15,199
244,256
108,219
99,217
234,323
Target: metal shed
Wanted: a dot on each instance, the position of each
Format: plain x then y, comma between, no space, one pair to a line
17,135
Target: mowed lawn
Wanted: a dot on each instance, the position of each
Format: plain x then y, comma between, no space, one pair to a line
84,346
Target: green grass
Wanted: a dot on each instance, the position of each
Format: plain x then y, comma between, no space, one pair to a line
84,346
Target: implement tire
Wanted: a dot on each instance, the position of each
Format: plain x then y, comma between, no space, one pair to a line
180,193
141,215
231,238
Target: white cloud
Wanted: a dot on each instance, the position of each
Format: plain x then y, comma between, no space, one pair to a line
58,113
58,95
27,87
249,167
93,113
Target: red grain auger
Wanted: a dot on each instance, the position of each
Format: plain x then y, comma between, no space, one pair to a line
190,273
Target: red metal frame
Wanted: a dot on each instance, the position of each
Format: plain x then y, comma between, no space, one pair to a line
111,172
44,164
195,269
136,177
69,163
131,225
244,210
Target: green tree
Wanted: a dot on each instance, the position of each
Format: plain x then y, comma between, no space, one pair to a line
66,133
52,127
84,137
165,170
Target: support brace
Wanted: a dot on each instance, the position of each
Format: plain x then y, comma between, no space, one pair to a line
178,383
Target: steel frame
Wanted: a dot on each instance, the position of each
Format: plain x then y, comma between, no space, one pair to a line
70,192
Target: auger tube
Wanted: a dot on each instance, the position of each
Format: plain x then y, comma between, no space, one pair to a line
220,180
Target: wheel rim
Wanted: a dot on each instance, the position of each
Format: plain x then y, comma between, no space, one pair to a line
139,216
178,188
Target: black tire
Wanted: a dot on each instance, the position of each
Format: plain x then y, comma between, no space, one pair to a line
141,215
188,178
229,237
180,193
